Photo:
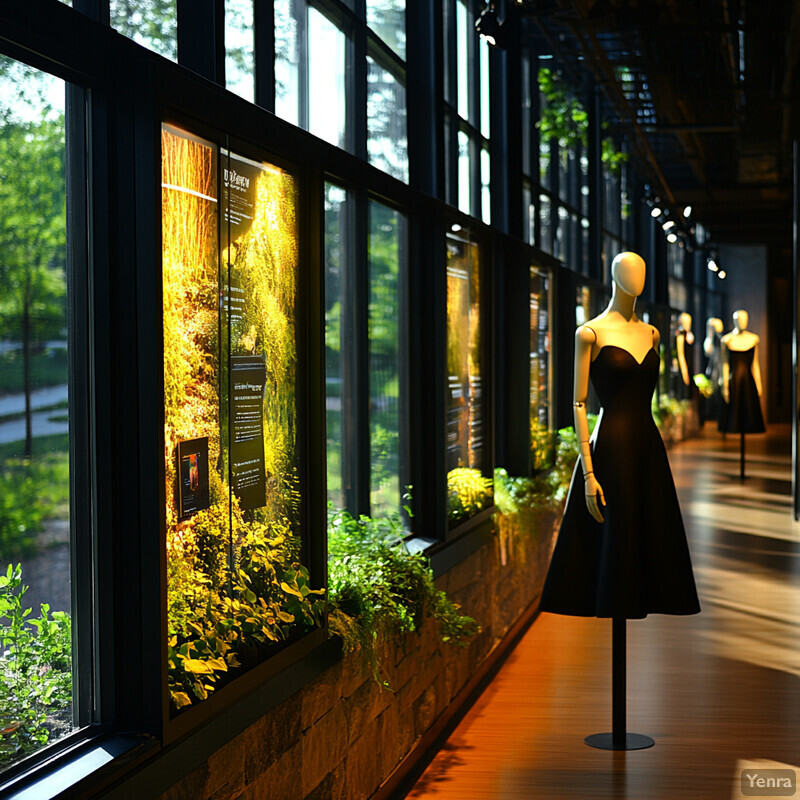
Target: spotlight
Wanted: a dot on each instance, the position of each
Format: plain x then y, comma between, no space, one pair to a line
488,25
712,265
672,238
687,212
655,212
670,223
455,227
722,274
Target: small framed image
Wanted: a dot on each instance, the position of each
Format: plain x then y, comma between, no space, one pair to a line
192,472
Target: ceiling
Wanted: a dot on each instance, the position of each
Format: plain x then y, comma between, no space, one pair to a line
707,92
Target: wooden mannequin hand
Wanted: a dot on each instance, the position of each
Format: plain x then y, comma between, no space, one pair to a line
594,496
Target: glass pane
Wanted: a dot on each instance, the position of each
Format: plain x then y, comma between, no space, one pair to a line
239,48
152,23
469,491
35,570
327,105
289,31
486,179
462,59
386,240
338,342
464,174
541,445
387,143
230,365
483,46
528,214
545,224
388,19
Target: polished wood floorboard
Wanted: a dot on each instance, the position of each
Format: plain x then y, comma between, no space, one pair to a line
719,691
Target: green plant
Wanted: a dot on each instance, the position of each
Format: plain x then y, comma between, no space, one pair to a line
378,588
703,384
468,492
564,119
566,456
270,596
543,445
35,668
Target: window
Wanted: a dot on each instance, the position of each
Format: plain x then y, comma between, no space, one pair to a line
387,142
310,88
316,55
386,379
37,405
467,456
365,346
466,113
540,370
338,343
240,48
236,593
151,23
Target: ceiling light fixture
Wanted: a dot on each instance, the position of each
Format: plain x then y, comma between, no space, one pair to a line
712,265
670,223
488,25
656,212
687,212
722,274
672,238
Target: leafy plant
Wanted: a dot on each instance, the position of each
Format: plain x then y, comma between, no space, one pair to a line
378,588
564,119
566,455
543,445
468,492
35,669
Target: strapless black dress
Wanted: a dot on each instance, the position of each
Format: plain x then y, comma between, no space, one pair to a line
637,561
743,413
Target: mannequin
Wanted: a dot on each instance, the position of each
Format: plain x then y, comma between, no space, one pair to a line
741,382
713,371
711,348
621,551
685,348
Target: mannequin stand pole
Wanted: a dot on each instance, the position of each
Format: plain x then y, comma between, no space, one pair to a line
619,738
741,457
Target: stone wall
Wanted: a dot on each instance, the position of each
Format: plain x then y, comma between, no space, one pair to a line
342,736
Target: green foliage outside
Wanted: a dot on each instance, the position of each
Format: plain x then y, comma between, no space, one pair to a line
564,119
48,367
468,493
35,671
378,589
31,491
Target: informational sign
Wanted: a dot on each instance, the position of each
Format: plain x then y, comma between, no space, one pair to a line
239,180
192,472
248,377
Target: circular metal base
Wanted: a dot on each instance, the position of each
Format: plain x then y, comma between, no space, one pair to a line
633,741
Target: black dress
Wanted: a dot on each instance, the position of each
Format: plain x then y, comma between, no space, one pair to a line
637,561
742,414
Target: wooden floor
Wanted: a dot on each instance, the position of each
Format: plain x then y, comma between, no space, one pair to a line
719,691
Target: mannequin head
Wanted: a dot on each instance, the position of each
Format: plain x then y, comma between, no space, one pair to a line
685,321
628,273
714,324
741,319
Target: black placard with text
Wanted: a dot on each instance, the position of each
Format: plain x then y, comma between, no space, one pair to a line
248,377
192,472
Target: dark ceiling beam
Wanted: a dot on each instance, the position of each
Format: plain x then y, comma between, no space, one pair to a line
689,127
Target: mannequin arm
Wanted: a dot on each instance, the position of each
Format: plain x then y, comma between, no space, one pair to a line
726,372
684,367
757,370
584,339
